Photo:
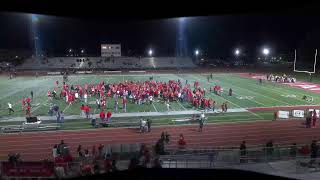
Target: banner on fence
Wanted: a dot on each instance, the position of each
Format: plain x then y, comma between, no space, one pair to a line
137,71
84,72
112,71
298,113
53,73
317,112
28,169
283,114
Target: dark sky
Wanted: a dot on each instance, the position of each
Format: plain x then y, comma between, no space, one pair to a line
217,36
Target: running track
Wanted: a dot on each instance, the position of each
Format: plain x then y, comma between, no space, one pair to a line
38,145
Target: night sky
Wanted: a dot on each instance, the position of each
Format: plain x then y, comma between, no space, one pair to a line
217,36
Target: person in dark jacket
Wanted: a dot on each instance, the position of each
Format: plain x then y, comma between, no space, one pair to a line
269,149
314,151
149,125
243,151
308,120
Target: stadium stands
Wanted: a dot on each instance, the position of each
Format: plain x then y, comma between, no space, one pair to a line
107,63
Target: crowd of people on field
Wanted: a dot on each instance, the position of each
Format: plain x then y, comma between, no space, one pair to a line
281,79
138,92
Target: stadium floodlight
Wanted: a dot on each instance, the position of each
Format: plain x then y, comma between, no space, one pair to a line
70,50
82,51
266,51
150,52
196,52
237,52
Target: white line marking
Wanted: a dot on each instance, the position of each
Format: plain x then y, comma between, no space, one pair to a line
154,107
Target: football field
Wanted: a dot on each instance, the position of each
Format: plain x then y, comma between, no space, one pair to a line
247,93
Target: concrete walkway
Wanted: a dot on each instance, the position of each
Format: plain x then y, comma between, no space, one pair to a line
121,115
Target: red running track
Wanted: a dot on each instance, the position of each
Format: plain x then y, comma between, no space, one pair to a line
38,145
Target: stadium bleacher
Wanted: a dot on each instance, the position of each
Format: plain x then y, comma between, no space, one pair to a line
107,63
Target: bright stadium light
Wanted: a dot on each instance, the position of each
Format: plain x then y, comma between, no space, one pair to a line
266,51
150,52
70,50
196,52
237,52
82,51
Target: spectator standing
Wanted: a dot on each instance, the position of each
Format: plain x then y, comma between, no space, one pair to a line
182,143
54,151
79,151
211,158
86,153
149,125
114,166
269,149
31,93
157,163
100,148
314,118
61,147
314,151
308,120
293,150
94,151
167,137
243,151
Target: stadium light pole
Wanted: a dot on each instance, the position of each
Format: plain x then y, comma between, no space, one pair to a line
265,52
237,52
196,52
150,52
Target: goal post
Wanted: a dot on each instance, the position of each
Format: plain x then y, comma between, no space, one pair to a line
304,71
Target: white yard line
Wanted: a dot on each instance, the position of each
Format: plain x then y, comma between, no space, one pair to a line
182,105
237,105
286,91
257,93
67,107
154,107
253,100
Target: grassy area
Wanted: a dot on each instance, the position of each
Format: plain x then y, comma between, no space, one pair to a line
167,120
246,93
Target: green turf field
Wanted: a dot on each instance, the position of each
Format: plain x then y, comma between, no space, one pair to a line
246,92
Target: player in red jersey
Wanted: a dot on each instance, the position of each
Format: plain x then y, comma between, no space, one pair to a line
28,101
28,111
